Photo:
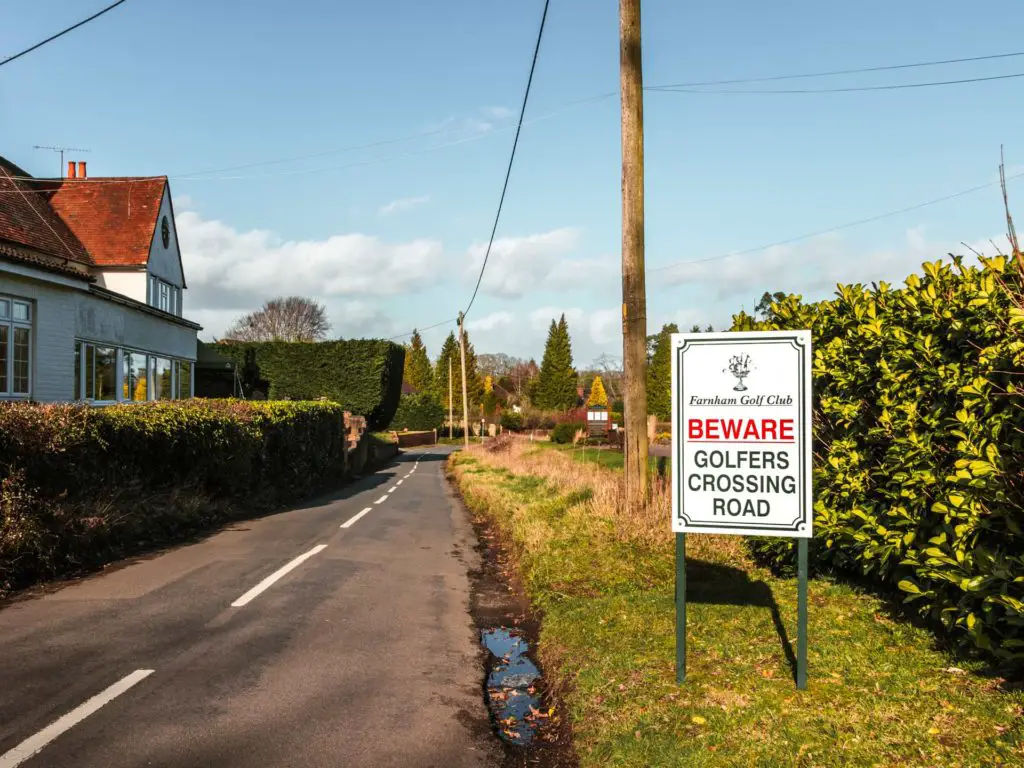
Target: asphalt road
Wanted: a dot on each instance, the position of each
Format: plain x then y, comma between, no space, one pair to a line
362,654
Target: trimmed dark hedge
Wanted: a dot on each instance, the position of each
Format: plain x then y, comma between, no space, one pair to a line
83,486
363,375
418,412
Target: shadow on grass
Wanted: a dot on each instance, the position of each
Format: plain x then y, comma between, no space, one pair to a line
716,584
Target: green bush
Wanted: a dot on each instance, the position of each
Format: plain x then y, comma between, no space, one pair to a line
419,412
512,421
82,486
565,432
363,375
919,443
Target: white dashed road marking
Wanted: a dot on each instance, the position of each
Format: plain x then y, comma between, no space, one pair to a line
269,581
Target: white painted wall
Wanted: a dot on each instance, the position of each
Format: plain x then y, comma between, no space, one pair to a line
165,263
64,313
130,284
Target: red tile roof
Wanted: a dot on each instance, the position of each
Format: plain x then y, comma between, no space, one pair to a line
48,263
114,218
27,220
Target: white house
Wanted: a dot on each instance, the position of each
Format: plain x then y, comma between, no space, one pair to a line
91,286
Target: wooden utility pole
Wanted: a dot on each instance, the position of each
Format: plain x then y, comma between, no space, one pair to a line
634,292
451,403
465,397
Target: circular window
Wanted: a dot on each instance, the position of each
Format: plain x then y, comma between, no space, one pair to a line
165,232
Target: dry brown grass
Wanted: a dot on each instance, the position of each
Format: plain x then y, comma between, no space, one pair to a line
650,525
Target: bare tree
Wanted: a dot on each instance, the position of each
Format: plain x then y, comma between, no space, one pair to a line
609,368
291,318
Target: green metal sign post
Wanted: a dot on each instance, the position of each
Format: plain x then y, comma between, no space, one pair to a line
801,611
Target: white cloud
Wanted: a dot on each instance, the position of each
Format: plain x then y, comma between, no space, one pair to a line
491,322
230,272
182,203
498,113
402,204
814,267
521,265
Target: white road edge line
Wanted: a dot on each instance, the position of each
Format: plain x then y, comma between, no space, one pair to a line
269,581
35,744
382,499
355,518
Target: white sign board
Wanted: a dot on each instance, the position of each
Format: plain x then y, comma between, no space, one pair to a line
741,433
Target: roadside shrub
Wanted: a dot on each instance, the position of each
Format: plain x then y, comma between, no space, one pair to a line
419,412
82,486
364,376
512,421
919,439
565,432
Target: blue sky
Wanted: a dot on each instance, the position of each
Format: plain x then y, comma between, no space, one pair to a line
388,237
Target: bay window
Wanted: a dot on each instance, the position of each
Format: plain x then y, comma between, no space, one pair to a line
15,347
107,375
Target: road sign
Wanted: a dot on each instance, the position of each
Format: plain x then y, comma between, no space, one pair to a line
741,433
741,450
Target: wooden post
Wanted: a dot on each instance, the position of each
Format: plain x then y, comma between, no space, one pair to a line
465,396
451,402
634,293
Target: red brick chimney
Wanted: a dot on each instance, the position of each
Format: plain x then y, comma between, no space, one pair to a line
71,169
81,169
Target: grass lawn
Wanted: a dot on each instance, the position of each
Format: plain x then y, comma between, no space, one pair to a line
879,693
593,454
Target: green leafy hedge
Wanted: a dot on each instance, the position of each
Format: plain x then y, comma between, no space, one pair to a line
565,432
419,412
919,443
82,486
362,375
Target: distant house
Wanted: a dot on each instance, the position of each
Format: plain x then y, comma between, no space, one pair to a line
409,389
91,286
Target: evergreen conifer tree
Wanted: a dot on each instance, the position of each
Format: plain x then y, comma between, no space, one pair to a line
597,394
659,373
418,371
556,389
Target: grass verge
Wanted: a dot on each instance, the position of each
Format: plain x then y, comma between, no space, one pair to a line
880,693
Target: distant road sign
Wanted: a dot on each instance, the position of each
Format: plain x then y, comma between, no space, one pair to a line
741,433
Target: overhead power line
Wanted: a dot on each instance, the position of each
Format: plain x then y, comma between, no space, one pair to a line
838,72
849,89
830,230
63,32
427,328
511,159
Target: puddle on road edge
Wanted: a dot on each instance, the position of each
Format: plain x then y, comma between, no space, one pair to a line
512,680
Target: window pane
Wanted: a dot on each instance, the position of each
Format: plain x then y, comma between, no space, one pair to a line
21,360
5,338
78,370
106,373
21,311
162,379
5,308
135,382
184,380
165,297
90,373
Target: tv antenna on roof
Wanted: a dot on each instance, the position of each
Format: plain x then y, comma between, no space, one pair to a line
62,150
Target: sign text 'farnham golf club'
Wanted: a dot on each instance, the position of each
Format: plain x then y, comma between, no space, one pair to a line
742,433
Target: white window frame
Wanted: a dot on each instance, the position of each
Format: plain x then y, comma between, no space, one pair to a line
10,323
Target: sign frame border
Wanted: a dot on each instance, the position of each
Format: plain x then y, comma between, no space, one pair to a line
803,526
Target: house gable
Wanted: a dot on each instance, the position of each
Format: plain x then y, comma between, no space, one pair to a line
165,260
